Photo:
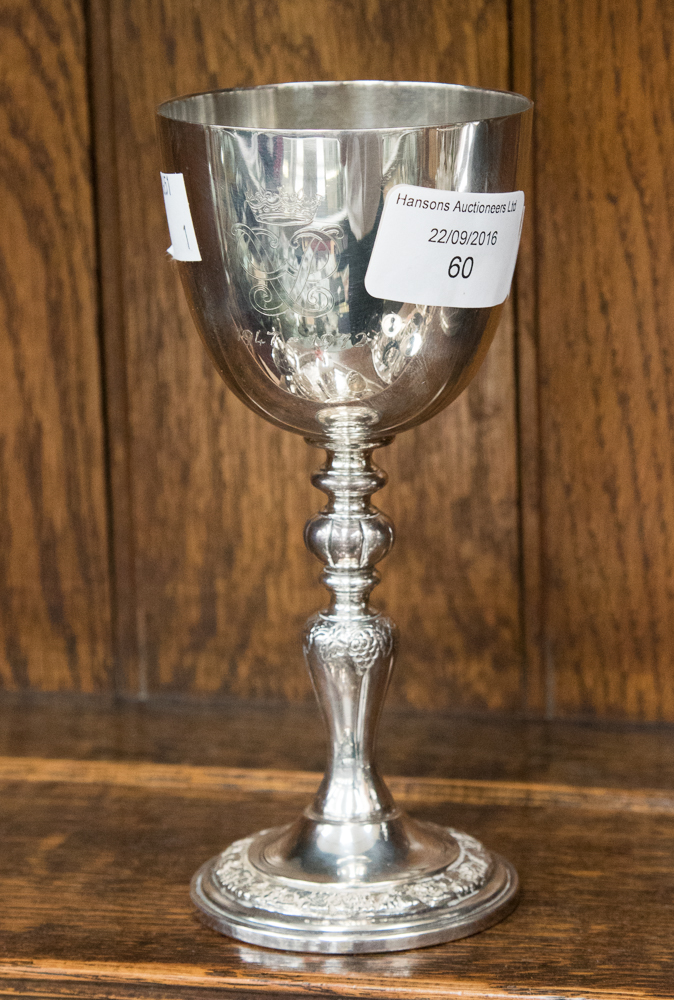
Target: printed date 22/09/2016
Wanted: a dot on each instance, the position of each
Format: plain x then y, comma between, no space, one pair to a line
462,237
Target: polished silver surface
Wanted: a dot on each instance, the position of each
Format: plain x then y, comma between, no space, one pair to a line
286,186
234,897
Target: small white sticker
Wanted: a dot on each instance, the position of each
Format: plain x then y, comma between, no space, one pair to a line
446,248
183,238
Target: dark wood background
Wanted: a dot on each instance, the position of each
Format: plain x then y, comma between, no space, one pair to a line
150,526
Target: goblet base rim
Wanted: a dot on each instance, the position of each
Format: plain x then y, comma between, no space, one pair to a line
473,907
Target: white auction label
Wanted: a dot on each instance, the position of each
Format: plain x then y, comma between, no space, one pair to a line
446,248
183,238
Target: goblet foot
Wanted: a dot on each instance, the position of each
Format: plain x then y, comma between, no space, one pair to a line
353,873
247,893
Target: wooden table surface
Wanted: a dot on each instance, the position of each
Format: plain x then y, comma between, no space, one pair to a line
106,813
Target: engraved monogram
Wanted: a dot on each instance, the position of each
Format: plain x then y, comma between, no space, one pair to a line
236,877
290,269
283,208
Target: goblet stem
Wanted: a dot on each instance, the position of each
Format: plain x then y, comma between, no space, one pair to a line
350,647
352,873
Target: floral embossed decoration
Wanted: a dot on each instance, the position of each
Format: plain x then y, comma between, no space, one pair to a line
238,879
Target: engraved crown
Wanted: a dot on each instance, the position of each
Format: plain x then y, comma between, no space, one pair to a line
283,208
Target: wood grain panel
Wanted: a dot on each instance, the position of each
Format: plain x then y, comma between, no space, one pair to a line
113,348
219,498
527,389
605,166
215,782
236,735
452,580
54,600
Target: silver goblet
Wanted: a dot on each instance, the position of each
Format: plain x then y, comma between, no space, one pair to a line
303,215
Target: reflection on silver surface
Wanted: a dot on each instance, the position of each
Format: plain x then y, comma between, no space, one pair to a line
286,186
392,967
399,339
312,366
